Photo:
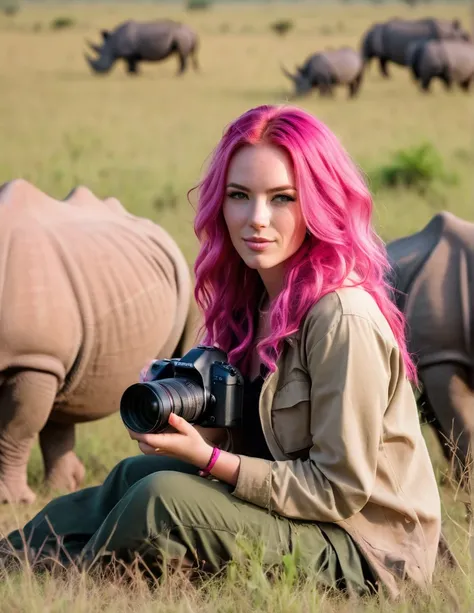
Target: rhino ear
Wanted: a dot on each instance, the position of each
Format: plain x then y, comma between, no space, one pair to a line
456,24
105,34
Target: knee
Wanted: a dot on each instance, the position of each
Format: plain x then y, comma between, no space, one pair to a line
132,469
169,494
166,485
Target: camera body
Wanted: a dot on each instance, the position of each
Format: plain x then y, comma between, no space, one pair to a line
202,387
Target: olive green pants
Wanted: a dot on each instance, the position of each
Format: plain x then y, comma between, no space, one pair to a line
160,509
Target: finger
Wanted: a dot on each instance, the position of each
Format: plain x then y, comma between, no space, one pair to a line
180,424
147,449
163,439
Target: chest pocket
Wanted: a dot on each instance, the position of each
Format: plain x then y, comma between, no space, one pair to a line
291,414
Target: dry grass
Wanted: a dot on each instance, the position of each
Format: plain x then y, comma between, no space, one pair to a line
145,140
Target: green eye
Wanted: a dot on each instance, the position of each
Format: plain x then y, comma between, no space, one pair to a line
284,198
237,195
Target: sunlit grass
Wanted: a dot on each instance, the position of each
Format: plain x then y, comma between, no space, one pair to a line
145,140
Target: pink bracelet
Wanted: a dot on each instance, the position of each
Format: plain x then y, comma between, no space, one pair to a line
210,465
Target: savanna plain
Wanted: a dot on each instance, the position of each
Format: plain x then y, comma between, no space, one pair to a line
146,140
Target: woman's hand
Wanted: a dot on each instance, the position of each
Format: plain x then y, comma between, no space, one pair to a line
184,443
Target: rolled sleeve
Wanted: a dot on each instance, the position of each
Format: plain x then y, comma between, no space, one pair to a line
254,483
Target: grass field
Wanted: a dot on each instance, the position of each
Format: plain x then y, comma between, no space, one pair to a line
145,140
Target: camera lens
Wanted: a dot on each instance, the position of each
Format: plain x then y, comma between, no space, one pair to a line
145,407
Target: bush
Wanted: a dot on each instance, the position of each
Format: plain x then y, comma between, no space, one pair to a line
193,5
167,199
415,168
9,7
282,27
62,22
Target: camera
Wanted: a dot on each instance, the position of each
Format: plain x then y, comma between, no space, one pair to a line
201,387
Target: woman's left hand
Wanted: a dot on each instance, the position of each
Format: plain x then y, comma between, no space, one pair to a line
185,444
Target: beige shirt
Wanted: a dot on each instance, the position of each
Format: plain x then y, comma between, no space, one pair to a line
340,419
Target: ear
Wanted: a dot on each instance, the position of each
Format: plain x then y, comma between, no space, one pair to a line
105,34
456,24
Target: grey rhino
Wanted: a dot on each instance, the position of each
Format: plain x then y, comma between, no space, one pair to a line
137,42
90,293
322,70
433,277
389,41
451,61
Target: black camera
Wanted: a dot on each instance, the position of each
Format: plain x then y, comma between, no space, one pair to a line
201,387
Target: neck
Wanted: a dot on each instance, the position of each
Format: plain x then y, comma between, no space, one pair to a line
273,281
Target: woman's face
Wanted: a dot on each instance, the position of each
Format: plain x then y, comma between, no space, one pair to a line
262,211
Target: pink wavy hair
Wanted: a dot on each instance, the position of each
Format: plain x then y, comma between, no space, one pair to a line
337,208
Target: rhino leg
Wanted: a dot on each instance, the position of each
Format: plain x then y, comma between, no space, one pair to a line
355,86
425,82
63,469
465,85
383,67
183,62
450,399
26,400
326,88
132,65
447,81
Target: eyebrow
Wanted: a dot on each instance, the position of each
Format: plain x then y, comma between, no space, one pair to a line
274,189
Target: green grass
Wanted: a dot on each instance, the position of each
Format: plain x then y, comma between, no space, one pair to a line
146,140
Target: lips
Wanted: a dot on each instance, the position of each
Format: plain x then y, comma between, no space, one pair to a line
256,239
257,244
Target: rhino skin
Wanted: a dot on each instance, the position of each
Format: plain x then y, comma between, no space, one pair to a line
136,42
89,294
389,41
451,61
323,70
433,280
371,45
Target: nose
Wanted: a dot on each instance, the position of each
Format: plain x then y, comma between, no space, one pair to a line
259,214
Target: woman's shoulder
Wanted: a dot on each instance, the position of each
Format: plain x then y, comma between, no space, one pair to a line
349,303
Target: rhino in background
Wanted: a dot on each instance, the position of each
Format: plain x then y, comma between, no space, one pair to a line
325,69
90,293
137,42
389,41
451,61
433,278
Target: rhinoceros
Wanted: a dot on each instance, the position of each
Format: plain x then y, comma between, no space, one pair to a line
451,61
389,41
433,280
137,42
90,293
325,69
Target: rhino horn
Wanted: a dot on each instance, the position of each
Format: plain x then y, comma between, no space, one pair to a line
287,73
92,63
94,47
100,65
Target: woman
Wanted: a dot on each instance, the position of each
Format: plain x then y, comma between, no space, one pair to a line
290,277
